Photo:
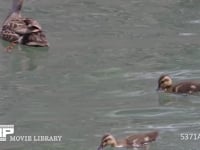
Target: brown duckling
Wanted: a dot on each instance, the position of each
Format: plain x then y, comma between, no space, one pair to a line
132,141
165,84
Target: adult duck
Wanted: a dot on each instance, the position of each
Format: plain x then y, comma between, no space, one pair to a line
21,30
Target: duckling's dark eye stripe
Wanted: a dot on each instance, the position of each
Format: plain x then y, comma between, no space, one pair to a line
162,81
106,140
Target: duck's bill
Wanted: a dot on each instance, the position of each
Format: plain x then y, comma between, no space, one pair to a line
100,147
158,89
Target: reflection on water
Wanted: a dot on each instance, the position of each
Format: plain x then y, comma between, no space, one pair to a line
190,4
24,58
166,99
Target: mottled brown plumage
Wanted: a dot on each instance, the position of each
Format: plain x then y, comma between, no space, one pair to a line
165,84
22,30
132,141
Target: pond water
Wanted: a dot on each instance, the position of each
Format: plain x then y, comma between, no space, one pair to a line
100,73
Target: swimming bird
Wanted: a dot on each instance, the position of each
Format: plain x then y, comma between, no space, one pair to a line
188,87
132,141
21,30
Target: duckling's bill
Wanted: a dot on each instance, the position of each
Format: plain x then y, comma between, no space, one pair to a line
100,147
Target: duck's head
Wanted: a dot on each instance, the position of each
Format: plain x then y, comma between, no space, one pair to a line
164,82
107,140
15,11
17,5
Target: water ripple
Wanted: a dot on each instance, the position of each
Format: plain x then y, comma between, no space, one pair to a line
187,34
182,74
195,21
149,112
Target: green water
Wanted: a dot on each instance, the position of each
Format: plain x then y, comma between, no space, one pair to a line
100,73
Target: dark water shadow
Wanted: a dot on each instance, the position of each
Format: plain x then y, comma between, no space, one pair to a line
184,100
189,3
24,58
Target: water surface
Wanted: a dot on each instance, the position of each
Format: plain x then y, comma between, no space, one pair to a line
100,73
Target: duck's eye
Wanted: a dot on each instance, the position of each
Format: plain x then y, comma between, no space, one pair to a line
166,80
107,140
162,81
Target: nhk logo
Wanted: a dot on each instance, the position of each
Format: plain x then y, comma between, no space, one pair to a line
6,130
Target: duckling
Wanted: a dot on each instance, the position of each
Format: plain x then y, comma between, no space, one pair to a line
21,30
165,84
132,141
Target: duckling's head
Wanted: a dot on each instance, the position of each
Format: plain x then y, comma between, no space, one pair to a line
107,140
164,82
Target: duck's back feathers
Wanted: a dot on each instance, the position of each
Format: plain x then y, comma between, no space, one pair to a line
35,39
32,25
186,87
9,35
139,140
